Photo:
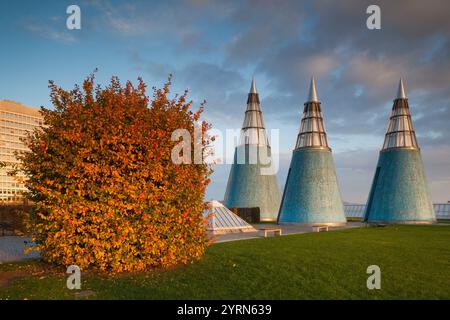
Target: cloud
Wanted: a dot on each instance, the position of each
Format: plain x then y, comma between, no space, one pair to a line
177,25
214,47
51,30
220,87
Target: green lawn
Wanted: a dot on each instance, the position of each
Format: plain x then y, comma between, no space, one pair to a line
414,262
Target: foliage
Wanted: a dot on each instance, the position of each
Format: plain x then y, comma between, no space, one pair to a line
107,195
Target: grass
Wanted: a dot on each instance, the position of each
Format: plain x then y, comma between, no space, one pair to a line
414,262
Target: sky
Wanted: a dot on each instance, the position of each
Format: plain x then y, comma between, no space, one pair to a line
214,48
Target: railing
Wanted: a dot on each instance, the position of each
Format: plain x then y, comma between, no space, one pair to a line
442,210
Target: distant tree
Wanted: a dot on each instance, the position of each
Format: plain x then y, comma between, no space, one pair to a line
107,195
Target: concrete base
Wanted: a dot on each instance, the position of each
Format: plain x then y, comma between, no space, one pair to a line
399,193
311,195
287,229
328,224
248,185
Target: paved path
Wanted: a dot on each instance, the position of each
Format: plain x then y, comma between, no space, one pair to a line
285,229
11,249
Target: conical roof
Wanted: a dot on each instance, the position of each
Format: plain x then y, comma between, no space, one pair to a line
223,220
400,132
253,130
253,86
311,194
312,130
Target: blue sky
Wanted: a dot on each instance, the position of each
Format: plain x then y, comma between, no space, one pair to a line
213,48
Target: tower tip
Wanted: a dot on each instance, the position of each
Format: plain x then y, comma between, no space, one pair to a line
312,96
253,86
401,90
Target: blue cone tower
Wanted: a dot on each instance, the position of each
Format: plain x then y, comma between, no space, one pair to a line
399,192
251,182
311,194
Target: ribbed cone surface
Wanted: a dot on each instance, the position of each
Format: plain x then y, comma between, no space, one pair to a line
253,129
400,132
312,129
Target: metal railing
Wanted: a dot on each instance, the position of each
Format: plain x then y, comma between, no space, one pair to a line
442,210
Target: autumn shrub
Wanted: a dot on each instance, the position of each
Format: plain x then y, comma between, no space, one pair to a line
107,195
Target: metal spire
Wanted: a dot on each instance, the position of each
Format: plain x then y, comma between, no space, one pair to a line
400,132
253,130
401,90
312,97
312,130
253,86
